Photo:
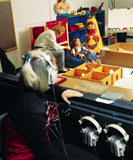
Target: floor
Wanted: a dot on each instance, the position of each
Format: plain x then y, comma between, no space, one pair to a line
127,80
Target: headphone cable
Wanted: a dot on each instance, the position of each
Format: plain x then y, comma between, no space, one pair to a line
61,136
54,124
55,135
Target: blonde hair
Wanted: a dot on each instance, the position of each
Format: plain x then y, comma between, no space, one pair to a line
34,73
58,29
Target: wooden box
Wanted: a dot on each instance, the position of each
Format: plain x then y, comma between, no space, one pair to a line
89,66
99,77
77,73
105,74
119,54
114,71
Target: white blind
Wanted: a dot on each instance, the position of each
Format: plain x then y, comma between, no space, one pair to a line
120,18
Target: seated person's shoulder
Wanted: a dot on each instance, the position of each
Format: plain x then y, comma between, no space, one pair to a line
30,102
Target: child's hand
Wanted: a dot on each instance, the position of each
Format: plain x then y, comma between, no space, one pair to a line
70,93
89,50
93,62
74,55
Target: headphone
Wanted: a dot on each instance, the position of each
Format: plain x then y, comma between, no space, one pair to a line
90,134
51,69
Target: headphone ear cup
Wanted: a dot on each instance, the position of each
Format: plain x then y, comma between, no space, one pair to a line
52,75
27,58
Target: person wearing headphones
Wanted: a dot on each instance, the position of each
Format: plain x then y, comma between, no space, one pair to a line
27,125
47,40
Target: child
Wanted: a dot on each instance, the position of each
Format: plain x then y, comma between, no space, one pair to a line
81,52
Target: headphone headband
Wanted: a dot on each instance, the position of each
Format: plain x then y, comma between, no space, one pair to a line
51,68
46,57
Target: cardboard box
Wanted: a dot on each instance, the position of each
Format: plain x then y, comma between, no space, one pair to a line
119,54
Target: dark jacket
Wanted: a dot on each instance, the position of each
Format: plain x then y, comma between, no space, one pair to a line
29,115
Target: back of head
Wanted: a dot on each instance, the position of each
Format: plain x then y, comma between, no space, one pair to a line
59,29
34,73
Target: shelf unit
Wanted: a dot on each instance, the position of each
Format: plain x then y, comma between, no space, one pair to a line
100,16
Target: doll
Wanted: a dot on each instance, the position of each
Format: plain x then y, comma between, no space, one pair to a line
77,50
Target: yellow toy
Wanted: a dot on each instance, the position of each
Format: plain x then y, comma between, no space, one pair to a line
93,37
73,12
80,25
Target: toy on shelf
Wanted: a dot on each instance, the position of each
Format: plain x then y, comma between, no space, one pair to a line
75,27
80,25
73,13
61,7
84,10
94,9
108,40
104,74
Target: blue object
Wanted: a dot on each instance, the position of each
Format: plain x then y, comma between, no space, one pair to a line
95,56
65,14
109,39
72,62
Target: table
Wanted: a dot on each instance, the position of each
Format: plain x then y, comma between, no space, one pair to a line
96,88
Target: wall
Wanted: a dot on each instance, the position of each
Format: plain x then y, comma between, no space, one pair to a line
120,15
123,4
27,13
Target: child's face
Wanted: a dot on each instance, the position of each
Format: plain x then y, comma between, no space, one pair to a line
77,43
